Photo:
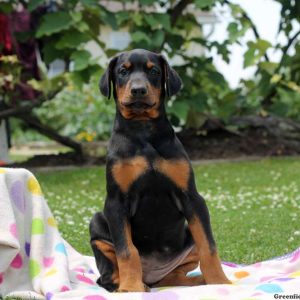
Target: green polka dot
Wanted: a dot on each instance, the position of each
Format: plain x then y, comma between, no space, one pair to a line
34,268
37,226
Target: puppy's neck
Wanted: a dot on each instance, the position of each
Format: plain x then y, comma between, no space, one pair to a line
155,128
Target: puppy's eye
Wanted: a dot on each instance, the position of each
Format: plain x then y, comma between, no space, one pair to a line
154,72
123,71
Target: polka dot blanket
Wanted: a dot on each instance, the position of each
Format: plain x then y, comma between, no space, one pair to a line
36,263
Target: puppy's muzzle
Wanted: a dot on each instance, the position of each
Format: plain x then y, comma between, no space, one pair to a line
138,104
139,91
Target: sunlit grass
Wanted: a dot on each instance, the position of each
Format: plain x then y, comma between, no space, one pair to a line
254,206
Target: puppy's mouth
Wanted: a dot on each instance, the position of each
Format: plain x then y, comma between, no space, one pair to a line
138,105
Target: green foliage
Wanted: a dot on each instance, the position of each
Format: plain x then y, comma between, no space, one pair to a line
33,4
54,22
9,76
72,39
255,52
204,3
81,59
79,113
5,8
69,26
275,86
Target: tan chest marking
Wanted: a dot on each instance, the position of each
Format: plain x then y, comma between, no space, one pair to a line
127,171
177,170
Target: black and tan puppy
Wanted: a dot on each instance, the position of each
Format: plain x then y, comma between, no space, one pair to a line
155,226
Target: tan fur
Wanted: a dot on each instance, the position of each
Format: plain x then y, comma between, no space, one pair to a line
124,96
123,93
154,95
109,251
177,170
127,64
130,267
210,263
127,171
150,64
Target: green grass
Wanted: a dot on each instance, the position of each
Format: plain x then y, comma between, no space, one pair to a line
254,206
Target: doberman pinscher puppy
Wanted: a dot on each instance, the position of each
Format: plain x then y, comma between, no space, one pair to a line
155,227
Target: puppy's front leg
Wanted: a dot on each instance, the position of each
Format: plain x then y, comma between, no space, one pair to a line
129,263
197,214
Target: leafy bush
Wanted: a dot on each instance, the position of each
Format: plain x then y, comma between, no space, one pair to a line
163,26
80,113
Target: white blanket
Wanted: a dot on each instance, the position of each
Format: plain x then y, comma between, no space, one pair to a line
35,261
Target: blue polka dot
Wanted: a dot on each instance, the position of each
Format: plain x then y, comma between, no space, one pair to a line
94,287
270,288
193,273
61,248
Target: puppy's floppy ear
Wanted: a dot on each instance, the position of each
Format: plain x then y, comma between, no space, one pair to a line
107,78
172,80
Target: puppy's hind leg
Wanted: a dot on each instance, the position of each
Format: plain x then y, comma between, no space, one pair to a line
104,253
178,277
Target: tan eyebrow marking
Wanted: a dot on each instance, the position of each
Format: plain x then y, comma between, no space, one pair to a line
150,64
127,64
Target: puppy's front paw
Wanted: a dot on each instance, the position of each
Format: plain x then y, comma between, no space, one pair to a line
218,280
133,288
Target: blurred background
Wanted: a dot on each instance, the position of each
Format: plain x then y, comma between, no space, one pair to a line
239,62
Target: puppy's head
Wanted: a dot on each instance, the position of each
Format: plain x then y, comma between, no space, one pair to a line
139,80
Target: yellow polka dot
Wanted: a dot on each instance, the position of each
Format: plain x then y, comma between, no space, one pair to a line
295,274
163,288
241,274
51,222
50,272
33,186
2,171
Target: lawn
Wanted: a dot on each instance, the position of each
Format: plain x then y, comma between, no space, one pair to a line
254,206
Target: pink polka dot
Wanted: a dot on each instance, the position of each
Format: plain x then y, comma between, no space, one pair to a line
17,262
48,261
64,288
84,279
94,297
266,278
1,278
222,291
13,230
81,270
295,257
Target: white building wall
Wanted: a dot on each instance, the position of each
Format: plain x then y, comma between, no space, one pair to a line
3,144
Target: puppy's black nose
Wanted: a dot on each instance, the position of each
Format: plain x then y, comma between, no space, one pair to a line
138,91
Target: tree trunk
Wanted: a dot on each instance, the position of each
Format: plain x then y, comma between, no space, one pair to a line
25,114
34,123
